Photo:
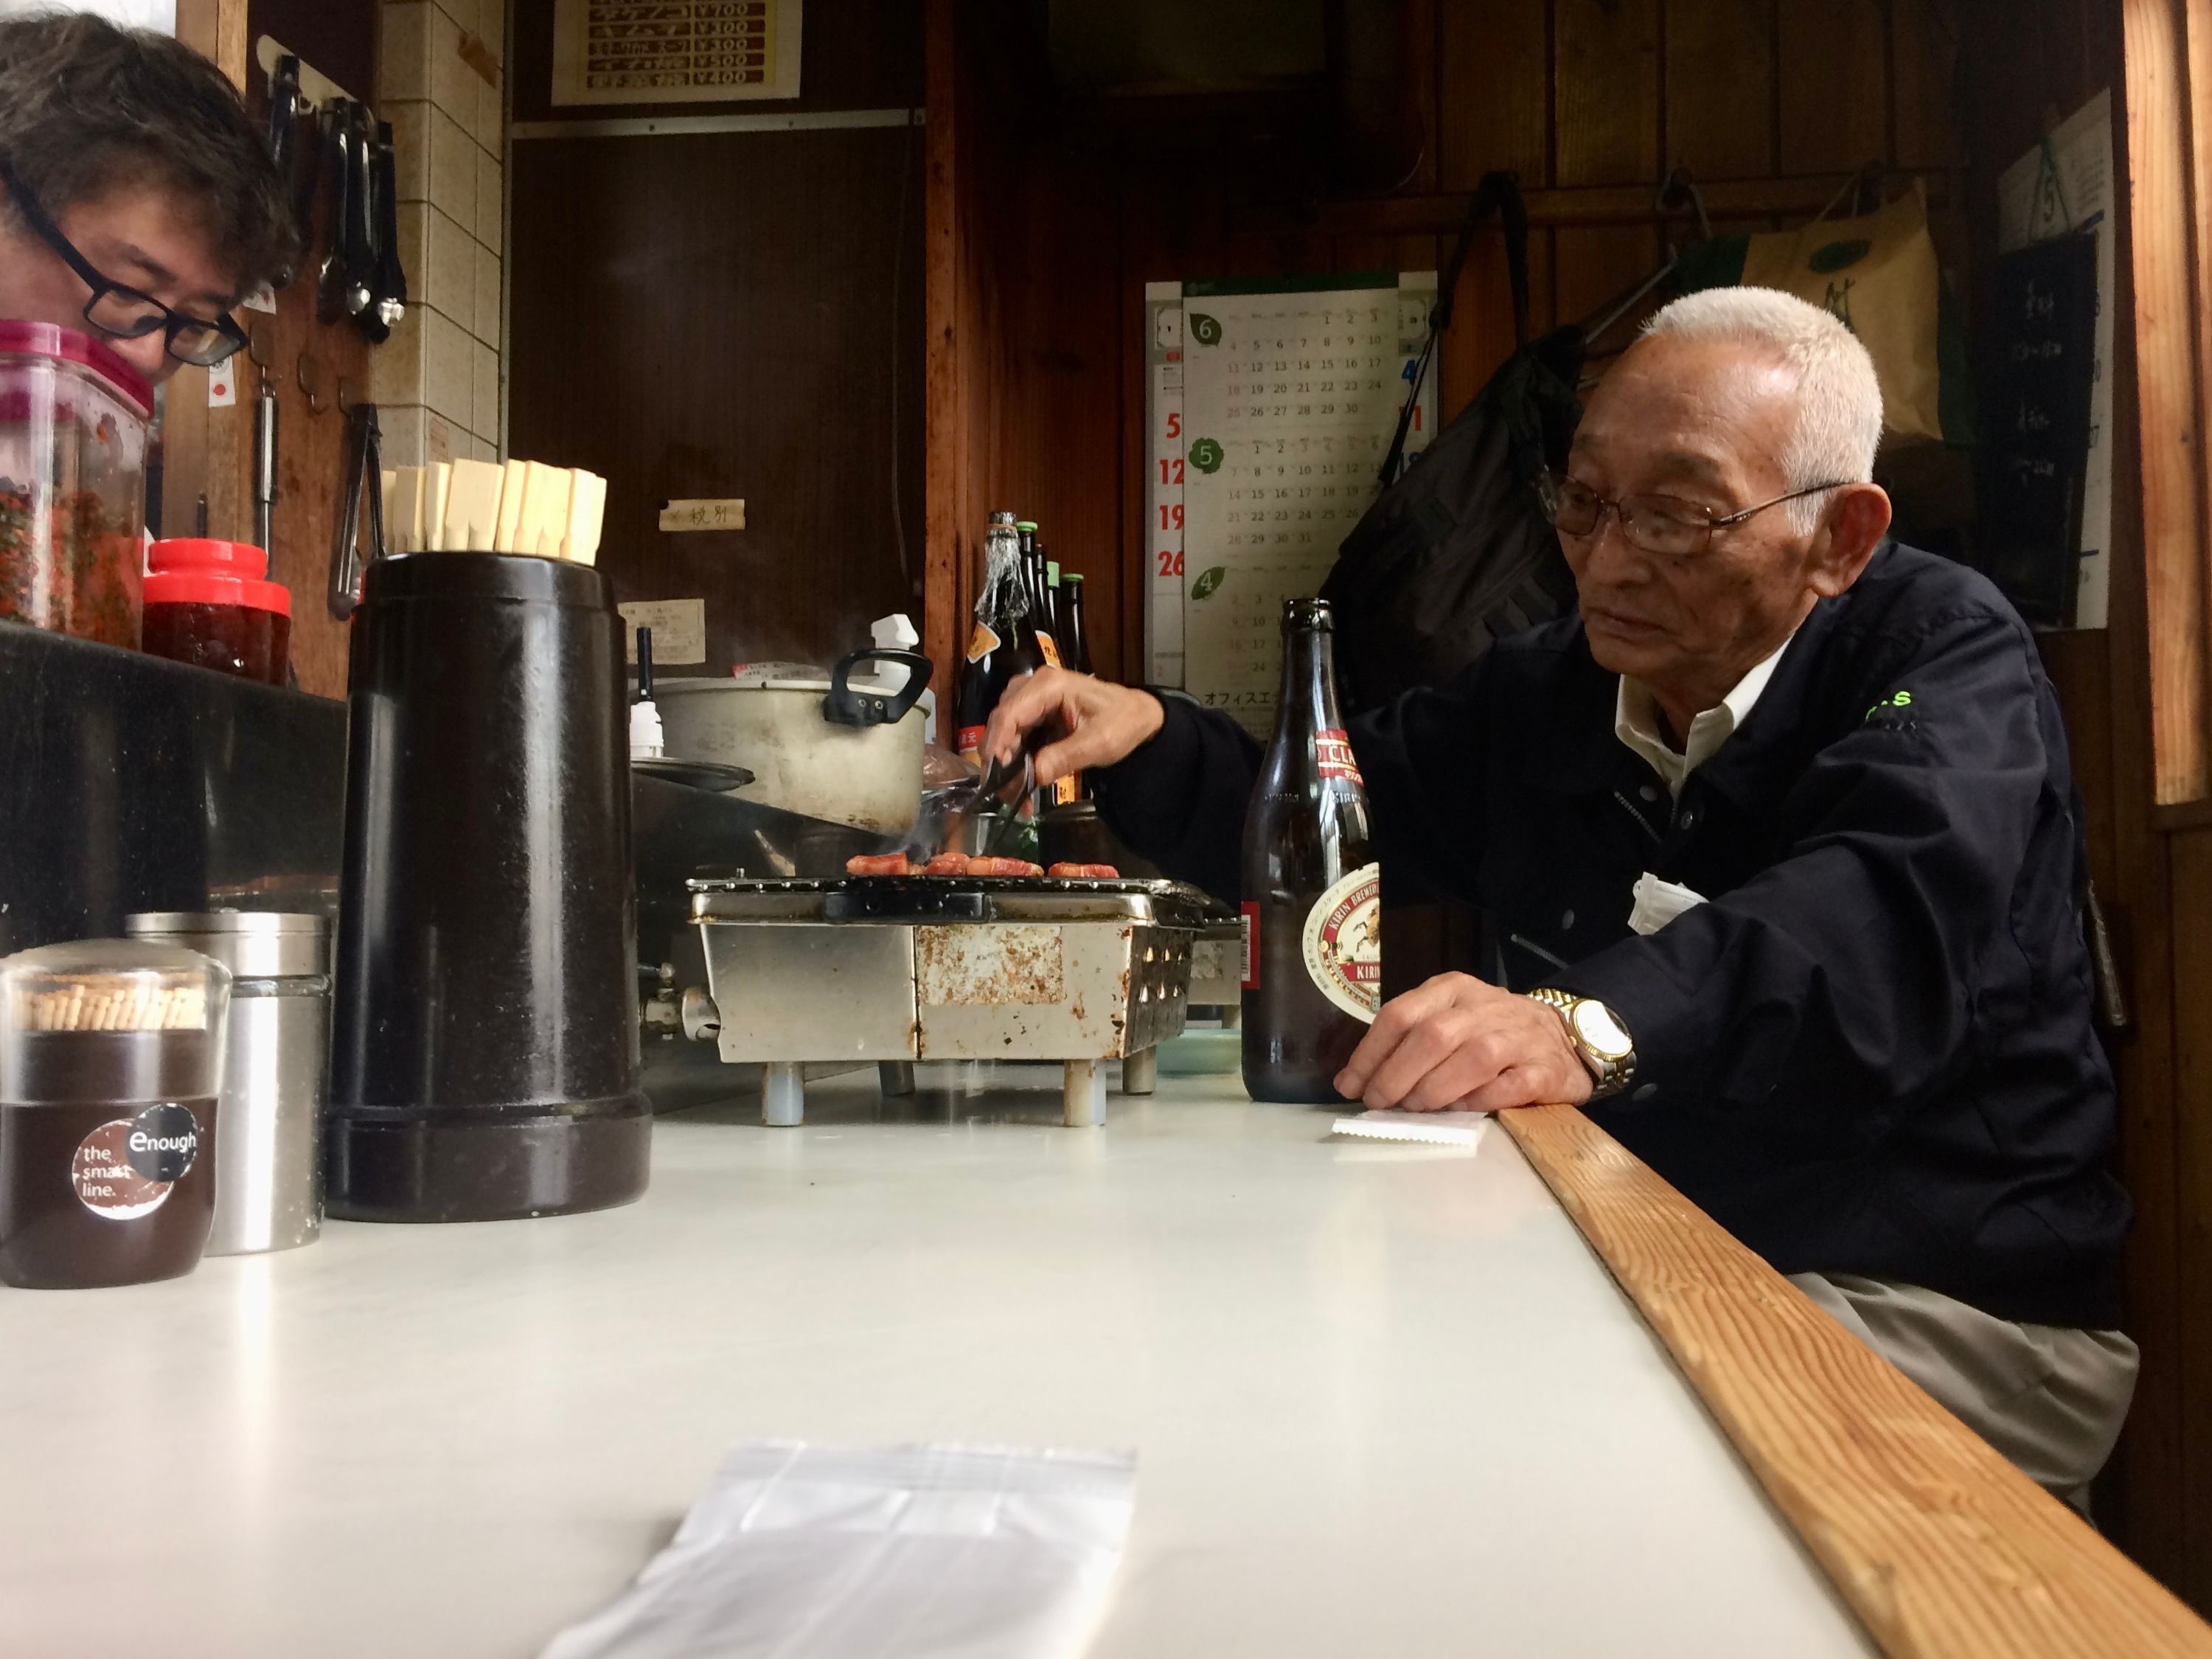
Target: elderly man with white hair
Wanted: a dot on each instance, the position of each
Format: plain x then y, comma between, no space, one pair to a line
1780,836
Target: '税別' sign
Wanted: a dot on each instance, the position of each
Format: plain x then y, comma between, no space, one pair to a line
729,515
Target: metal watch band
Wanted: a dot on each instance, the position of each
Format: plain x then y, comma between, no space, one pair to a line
1608,1077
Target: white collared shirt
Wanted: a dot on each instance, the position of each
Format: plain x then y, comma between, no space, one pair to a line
1636,722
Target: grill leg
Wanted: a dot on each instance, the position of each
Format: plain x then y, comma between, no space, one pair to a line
1139,1071
1085,1091
783,1094
897,1076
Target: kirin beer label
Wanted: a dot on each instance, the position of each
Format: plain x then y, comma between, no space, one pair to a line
1344,941
1333,754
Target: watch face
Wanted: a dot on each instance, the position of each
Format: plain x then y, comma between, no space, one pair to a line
1595,1025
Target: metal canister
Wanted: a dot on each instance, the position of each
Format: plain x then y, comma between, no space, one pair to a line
268,1176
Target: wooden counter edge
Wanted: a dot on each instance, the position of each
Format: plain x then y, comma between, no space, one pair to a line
1940,1546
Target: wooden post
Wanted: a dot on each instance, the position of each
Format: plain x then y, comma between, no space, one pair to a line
2168,297
944,459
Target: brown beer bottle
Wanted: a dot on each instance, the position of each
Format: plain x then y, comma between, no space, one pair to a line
1313,951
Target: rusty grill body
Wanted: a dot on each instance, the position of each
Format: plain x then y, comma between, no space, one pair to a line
896,969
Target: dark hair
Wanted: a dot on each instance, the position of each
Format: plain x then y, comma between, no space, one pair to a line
87,107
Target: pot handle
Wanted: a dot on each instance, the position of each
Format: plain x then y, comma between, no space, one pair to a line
848,706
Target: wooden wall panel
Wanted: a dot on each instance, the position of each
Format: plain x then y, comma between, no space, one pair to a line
739,315
1835,92
1494,100
1597,269
1583,93
1923,82
1719,87
1481,335
1605,74
767,366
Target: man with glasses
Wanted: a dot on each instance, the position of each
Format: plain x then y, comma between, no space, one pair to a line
137,200
1781,849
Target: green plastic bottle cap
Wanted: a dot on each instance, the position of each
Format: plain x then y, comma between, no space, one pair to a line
1025,524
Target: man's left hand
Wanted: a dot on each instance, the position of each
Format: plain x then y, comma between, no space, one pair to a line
1456,1043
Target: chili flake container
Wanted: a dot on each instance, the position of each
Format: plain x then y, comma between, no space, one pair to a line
73,418
111,1060
208,604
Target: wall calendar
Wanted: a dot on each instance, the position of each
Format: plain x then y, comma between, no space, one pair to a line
674,51
1270,407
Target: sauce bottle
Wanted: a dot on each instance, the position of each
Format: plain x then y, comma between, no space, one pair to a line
1313,953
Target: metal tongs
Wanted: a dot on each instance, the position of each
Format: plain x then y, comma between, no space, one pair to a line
998,793
364,487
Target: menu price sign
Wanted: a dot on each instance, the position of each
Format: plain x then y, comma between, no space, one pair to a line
1271,406
2035,446
674,51
2063,186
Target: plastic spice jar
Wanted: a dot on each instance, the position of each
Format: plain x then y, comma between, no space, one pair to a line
208,604
73,419
111,1060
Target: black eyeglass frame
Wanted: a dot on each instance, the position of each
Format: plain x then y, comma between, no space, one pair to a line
1548,484
171,321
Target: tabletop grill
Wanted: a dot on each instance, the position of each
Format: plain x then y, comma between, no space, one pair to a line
901,969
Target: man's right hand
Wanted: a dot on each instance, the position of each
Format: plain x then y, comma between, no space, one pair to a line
1104,722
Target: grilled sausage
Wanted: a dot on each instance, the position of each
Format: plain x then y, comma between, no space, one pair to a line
878,864
1086,871
1004,867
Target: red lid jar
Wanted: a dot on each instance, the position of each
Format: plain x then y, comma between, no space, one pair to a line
73,420
208,604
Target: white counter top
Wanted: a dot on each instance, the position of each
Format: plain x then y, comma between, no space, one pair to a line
1384,1399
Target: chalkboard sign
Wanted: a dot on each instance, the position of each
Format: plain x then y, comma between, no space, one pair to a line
2035,423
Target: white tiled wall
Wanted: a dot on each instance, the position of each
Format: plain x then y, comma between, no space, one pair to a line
437,379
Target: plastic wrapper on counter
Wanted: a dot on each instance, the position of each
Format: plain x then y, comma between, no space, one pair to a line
888,1553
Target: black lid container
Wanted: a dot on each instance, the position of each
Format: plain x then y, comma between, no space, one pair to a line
484,1040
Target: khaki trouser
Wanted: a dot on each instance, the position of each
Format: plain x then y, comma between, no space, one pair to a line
2050,1398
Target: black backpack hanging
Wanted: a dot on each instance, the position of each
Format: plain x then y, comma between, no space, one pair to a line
1458,552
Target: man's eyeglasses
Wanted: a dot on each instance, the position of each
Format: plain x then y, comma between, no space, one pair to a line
125,314
1666,526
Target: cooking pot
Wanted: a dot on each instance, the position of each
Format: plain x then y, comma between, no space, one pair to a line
818,745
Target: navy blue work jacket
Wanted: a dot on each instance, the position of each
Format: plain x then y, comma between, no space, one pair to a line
1870,1052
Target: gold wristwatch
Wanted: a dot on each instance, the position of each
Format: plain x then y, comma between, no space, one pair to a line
1600,1039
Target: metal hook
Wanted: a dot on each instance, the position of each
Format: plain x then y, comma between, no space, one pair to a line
1854,190
309,374
1677,188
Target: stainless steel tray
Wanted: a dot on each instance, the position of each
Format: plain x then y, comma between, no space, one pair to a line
901,969
910,900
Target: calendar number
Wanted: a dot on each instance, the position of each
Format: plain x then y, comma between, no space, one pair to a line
1170,472
1171,562
1171,517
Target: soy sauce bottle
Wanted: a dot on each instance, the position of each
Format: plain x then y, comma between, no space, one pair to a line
1313,954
